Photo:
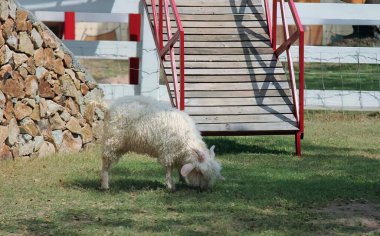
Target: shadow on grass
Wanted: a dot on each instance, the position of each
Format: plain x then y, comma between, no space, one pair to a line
71,222
233,145
122,179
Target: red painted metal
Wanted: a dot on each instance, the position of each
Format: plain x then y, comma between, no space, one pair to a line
172,38
182,70
287,44
172,58
161,25
298,99
69,25
134,67
298,144
274,24
301,59
134,35
269,23
169,45
155,21
135,27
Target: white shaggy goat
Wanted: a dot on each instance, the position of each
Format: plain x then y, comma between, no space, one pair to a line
143,125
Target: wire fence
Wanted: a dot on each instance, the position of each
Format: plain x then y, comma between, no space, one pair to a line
335,78
342,78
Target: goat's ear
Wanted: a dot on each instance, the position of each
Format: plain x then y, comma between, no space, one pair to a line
186,169
201,155
212,153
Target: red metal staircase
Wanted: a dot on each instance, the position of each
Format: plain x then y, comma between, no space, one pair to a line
220,59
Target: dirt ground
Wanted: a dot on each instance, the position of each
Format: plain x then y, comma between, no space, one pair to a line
365,215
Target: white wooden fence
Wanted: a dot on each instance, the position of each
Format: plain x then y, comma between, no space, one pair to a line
310,13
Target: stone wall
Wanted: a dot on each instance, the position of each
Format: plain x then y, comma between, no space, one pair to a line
48,103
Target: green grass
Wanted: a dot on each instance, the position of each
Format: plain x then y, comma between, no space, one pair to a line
333,76
267,190
101,69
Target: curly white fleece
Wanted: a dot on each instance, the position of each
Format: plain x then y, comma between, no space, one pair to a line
143,125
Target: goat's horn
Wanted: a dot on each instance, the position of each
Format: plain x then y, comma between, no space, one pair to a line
201,156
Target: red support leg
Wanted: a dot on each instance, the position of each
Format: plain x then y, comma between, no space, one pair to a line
298,144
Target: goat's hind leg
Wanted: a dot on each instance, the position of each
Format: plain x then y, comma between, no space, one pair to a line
108,159
169,179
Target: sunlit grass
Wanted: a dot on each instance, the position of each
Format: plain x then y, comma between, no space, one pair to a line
267,190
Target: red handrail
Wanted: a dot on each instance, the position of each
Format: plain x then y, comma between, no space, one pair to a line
284,47
179,35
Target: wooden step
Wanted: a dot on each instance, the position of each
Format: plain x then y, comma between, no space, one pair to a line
240,110
221,31
236,93
212,102
248,127
220,24
263,118
241,71
212,18
232,78
227,58
215,10
223,38
235,86
218,3
209,65
256,44
225,51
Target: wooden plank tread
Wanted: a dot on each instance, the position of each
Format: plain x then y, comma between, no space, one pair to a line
241,71
191,102
204,10
248,127
237,94
235,86
240,110
224,17
225,58
204,65
232,78
263,118
215,3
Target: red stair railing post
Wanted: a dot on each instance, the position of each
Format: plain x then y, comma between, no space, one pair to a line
301,79
161,24
274,25
267,15
182,71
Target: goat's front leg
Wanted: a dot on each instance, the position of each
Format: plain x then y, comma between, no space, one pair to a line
181,178
169,179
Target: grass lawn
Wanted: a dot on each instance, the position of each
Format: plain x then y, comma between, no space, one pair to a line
333,190
332,76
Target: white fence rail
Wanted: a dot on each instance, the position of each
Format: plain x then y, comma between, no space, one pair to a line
327,54
342,99
117,50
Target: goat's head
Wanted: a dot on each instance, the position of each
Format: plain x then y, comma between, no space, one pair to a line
204,172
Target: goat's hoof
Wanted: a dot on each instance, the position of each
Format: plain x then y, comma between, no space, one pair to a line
172,190
104,188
